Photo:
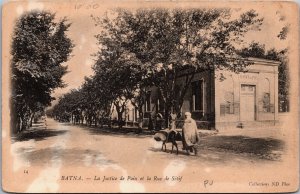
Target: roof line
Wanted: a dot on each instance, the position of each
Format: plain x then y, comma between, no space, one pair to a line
265,61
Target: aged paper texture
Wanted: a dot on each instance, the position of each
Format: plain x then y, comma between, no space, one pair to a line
150,96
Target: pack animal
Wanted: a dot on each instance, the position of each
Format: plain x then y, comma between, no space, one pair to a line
168,136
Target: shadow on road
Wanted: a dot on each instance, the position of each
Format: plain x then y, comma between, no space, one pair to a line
38,135
219,148
123,132
244,144
69,157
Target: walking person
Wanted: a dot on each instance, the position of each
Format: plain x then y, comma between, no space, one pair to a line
190,135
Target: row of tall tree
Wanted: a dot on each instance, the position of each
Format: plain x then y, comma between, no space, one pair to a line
39,48
82,104
150,47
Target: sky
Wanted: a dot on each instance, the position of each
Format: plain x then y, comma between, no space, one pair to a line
83,29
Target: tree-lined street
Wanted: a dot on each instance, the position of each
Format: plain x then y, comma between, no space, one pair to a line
63,149
39,48
137,50
92,90
81,145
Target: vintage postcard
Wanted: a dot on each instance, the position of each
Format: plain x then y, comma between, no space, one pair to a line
150,96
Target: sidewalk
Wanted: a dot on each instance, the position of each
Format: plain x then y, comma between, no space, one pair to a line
261,132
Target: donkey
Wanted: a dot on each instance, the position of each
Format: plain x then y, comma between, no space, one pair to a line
168,136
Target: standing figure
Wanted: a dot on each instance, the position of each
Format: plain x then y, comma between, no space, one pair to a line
173,117
190,135
152,121
158,123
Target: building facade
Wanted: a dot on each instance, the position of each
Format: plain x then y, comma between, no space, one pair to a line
247,99
220,99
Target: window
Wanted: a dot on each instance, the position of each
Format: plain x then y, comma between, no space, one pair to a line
229,108
266,105
197,95
136,114
148,102
222,109
229,102
266,102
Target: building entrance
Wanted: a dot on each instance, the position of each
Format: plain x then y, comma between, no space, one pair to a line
247,103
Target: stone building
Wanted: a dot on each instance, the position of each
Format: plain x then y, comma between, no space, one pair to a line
249,98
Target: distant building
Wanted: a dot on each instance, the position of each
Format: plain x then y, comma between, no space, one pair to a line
226,99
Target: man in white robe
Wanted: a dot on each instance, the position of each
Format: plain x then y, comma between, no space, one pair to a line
190,135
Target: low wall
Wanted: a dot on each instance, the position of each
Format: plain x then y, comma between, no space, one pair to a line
250,124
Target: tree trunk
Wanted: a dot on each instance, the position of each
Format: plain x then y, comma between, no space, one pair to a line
141,118
96,121
85,118
31,119
17,128
167,115
150,124
15,122
81,118
90,120
120,119
120,110
23,124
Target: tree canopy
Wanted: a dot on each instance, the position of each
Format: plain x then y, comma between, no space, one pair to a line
150,47
161,42
39,48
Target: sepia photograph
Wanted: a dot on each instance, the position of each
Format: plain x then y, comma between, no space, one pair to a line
150,96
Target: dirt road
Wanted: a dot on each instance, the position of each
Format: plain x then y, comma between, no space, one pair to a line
64,154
